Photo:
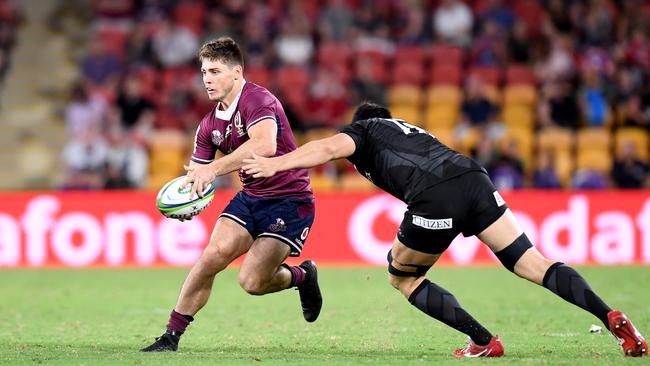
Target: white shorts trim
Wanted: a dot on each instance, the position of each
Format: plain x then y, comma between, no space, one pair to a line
234,218
295,247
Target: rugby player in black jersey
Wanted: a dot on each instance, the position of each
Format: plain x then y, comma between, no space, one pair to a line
447,193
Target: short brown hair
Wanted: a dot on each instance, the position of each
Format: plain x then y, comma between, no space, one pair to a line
223,49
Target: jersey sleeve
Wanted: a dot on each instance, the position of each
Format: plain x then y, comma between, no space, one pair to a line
204,149
258,107
356,131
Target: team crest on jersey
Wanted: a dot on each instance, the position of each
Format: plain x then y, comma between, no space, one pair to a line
217,137
239,125
278,226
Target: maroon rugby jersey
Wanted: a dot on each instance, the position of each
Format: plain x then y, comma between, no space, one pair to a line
227,130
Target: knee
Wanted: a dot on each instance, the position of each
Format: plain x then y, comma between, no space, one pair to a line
218,253
251,283
405,285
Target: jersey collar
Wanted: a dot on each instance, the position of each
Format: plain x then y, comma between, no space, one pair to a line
227,114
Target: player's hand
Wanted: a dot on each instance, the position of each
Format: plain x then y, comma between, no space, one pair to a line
259,166
200,176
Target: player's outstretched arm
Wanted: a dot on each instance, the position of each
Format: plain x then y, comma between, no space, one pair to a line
308,155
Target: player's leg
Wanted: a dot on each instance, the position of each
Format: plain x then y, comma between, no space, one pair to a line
284,225
262,271
515,251
407,269
228,241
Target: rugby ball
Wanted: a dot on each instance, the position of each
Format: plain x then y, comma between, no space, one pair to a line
174,201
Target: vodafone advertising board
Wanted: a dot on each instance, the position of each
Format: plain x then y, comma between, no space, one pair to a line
113,229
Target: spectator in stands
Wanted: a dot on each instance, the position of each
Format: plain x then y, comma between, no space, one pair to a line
329,99
153,11
335,20
558,106
413,33
558,64
366,87
507,172
484,152
627,99
139,48
126,161
114,13
217,25
588,179
545,175
519,44
477,111
84,160
375,41
174,45
630,172
84,112
558,18
100,68
495,11
136,113
256,45
452,23
595,108
637,50
598,24
294,45
489,49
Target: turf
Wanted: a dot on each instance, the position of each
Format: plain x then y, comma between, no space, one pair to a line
99,317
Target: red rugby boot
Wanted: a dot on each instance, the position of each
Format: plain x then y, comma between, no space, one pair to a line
628,337
493,349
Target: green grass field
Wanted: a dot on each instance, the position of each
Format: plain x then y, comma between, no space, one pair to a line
97,317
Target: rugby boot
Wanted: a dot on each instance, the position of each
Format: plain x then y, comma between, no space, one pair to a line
493,349
165,343
310,296
628,337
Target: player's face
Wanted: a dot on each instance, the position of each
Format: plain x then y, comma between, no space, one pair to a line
219,79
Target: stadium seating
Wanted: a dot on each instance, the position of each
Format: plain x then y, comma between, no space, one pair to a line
638,136
405,95
167,156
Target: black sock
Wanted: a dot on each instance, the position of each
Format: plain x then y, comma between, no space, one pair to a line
565,282
439,304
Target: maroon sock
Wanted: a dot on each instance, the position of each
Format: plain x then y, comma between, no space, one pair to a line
178,322
297,275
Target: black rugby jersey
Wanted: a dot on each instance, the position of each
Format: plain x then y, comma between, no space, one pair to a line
403,159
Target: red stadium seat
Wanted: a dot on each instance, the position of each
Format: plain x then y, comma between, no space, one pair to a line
333,53
413,54
488,75
292,77
191,14
443,54
114,40
258,75
408,73
446,74
375,62
520,74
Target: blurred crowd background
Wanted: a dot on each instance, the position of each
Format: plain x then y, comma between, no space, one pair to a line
106,94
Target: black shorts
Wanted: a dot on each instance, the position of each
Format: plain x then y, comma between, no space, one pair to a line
465,204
